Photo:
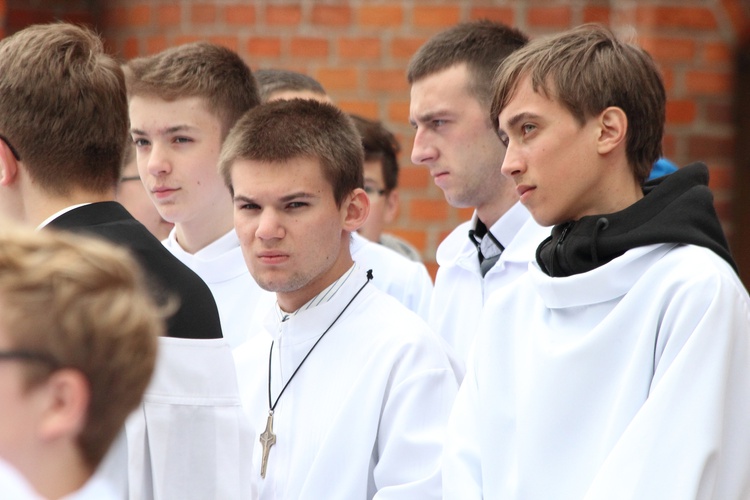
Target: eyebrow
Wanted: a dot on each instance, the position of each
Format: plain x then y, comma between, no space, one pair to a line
283,199
521,116
166,131
429,116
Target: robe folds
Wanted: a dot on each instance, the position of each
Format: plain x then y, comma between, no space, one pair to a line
630,381
365,415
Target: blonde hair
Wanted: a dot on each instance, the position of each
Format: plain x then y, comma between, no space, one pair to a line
81,303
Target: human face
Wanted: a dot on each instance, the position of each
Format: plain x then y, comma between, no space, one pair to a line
456,140
177,149
551,158
383,204
133,196
293,236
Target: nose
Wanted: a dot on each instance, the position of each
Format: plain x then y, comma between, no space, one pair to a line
423,152
269,226
156,160
512,163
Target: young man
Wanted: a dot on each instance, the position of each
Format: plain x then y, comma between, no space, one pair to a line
619,366
346,389
183,101
406,280
450,79
381,182
63,129
78,337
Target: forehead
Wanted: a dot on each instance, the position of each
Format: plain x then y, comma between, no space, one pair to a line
154,112
525,99
445,88
258,176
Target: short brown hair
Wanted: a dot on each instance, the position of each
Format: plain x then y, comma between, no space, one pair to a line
81,303
481,45
271,81
279,131
63,107
380,145
587,69
201,69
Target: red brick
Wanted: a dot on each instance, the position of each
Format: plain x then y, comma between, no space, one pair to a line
668,76
227,41
720,177
331,15
398,111
704,147
737,14
368,109
139,15
717,52
283,14
415,237
413,177
169,15
718,113
549,17
203,13
436,16
309,47
112,17
669,49
79,17
359,48
723,208
426,209
184,39
386,80
669,145
338,78
432,268
498,14
681,111
676,17
708,82
130,48
381,15
239,14
464,213
155,44
264,47
404,48
596,14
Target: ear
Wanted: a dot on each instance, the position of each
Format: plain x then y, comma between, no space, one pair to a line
8,165
613,129
355,209
392,201
66,405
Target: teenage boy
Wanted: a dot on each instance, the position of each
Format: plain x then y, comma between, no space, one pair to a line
381,185
78,339
450,78
346,389
183,101
63,130
619,365
406,280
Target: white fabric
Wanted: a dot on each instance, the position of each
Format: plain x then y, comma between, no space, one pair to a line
13,486
365,415
241,302
190,438
59,213
631,381
460,291
406,280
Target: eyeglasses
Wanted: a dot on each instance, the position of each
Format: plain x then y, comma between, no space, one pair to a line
10,146
30,357
373,191
130,178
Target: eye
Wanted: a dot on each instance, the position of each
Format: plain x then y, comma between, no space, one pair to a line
437,123
503,138
527,128
140,142
296,204
248,206
182,140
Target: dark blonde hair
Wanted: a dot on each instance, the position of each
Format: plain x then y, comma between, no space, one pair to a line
271,81
587,69
63,107
279,131
201,69
80,303
481,45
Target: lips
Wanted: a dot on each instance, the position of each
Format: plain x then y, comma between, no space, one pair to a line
524,191
272,257
163,192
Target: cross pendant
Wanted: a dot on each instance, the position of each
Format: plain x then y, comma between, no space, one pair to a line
267,439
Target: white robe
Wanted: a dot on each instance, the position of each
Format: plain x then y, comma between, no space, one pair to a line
406,280
365,415
460,291
242,303
190,438
631,381
13,485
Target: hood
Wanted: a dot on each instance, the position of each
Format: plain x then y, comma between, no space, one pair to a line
677,208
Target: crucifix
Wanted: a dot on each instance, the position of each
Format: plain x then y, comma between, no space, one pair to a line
267,439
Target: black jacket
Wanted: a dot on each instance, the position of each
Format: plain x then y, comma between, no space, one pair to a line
196,316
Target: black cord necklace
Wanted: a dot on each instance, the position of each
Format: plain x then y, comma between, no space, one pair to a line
268,438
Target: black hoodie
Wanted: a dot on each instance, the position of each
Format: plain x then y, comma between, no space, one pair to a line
677,208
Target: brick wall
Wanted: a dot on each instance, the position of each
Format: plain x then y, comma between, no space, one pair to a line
359,50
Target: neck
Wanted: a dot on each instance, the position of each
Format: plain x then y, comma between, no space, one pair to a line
39,205
59,473
197,234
